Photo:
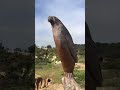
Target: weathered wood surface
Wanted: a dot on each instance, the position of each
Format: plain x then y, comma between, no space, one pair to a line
69,83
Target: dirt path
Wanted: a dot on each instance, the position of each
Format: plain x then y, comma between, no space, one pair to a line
80,66
55,87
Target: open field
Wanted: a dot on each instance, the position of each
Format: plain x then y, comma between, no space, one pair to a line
55,73
48,65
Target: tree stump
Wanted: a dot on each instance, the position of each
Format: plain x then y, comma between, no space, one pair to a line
69,82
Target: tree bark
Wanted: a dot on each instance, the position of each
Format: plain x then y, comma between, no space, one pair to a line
69,83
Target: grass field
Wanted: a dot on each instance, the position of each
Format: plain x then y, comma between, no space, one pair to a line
111,72
46,67
55,72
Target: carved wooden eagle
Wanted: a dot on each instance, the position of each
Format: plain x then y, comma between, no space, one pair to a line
64,44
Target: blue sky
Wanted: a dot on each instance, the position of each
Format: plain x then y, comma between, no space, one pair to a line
70,12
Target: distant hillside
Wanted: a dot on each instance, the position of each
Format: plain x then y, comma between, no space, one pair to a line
48,54
80,49
80,46
109,49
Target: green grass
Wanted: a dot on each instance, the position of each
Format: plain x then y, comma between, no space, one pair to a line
111,72
50,71
17,88
81,59
111,64
56,73
115,82
80,77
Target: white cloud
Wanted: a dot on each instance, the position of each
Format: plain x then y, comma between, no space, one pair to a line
69,12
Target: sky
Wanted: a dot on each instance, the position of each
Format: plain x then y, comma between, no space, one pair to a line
103,18
70,12
17,29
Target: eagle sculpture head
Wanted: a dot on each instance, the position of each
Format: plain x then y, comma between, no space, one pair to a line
54,21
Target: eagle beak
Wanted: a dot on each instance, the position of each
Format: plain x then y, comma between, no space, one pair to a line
51,19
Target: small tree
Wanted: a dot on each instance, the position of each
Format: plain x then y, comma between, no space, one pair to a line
17,50
49,46
31,49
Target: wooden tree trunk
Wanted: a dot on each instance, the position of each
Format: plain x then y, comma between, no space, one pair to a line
69,83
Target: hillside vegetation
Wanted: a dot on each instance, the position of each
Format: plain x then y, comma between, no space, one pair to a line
16,68
111,64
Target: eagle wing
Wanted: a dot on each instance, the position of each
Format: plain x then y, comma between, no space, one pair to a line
92,63
70,45
91,59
